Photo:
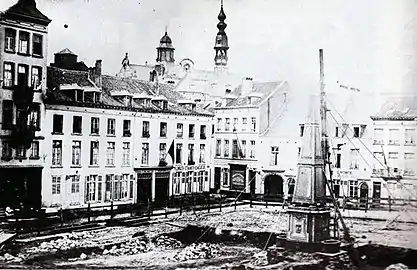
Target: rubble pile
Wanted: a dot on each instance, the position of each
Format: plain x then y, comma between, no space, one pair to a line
167,242
198,251
8,258
130,247
398,266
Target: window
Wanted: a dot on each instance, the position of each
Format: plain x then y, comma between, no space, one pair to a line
409,163
23,42
226,148
191,131
253,121
57,123
8,74
302,130
178,153
126,128
189,181
179,130
126,154
7,119
338,160
94,151
394,136
35,116
76,153
225,177
36,76
6,150
34,150
227,124
10,40
145,153
93,188
252,149
75,183
108,187
200,181
111,126
202,132
111,148
244,123
353,189
162,151
21,152
22,75
355,132
336,133
177,182
163,129
202,153
235,123
354,159
378,136
37,45
191,154
393,155
299,152
234,149
56,153
218,148
145,129
243,148
56,185
95,125
274,155
410,136
219,124
77,123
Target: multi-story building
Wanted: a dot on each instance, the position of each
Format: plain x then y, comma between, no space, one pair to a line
240,124
111,139
395,147
23,51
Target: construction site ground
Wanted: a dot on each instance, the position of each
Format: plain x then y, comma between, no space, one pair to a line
145,248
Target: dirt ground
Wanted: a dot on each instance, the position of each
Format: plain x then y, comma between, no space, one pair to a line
57,253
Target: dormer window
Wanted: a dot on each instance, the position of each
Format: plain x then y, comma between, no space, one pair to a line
164,105
128,101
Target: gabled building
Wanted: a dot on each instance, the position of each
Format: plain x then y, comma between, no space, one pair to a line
395,147
120,140
23,52
240,125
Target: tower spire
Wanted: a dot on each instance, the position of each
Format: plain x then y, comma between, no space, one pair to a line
221,43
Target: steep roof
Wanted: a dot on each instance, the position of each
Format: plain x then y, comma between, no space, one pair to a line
26,10
208,82
65,51
56,78
259,89
116,84
398,108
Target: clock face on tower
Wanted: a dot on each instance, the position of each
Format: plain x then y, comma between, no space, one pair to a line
219,40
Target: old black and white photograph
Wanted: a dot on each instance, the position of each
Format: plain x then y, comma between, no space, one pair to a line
208,134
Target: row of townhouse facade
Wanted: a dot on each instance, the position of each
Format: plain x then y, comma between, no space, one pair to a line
132,144
71,136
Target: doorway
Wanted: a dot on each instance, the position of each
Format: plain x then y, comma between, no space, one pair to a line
274,187
363,195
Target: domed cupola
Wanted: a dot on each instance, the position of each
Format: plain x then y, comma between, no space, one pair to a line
165,50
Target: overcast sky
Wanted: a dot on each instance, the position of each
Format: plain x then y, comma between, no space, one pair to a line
368,44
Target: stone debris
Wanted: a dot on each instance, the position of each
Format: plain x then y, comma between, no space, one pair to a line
9,258
83,256
167,242
260,258
198,251
398,266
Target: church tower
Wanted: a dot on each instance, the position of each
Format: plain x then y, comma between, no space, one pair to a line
221,44
165,50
